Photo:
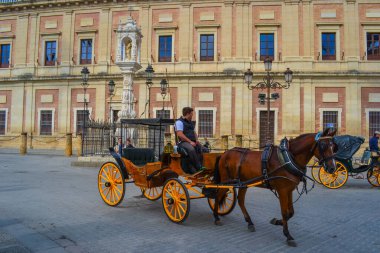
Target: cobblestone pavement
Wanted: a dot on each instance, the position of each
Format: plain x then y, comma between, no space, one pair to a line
48,206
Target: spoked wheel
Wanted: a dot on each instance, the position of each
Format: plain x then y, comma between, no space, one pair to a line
228,205
373,176
153,193
315,172
336,179
111,184
175,200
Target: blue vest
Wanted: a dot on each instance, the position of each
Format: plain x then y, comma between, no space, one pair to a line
188,129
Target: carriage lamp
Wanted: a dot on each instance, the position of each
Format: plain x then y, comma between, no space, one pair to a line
85,73
149,74
268,83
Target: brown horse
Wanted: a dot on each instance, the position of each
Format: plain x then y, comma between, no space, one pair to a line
235,165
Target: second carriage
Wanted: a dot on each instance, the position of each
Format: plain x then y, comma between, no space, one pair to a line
346,166
160,172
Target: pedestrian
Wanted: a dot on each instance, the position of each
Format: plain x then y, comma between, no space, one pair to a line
119,146
129,143
374,144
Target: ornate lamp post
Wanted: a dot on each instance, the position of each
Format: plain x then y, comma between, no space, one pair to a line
85,73
268,83
149,74
164,91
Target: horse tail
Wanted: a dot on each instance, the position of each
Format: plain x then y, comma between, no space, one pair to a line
216,171
217,180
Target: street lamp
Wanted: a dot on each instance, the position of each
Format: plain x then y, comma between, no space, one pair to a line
164,91
268,83
85,73
149,74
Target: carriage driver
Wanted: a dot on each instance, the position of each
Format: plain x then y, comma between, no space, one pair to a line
188,139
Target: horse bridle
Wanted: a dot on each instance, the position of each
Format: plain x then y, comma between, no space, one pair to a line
322,149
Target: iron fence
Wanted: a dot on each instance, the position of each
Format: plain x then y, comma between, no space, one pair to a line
98,137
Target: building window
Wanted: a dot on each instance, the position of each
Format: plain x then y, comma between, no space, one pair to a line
374,122
266,46
81,114
328,46
205,123
50,53
86,51
46,122
164,114
330,119
207,47
373,49
5,52
165,49
3,122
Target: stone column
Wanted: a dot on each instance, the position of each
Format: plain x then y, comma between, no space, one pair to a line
225,142
33,40
67,42
239,140
23,143
104,37
69,144
291,29
127,110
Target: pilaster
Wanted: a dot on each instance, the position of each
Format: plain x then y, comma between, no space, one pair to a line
21,40
67,40
145,30
33,40
351,21
291,109
290,29
227,30
105,27
184,34
226,107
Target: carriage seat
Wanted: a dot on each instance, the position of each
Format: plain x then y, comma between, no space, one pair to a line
139,156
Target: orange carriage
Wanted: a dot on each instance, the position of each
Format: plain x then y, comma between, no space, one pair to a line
159,171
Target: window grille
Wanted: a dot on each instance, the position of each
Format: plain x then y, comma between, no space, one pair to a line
165,49
46,122
164,114
328,46
3,115
330,119
374,122
207,47
266,46
373,47
86,51
206,123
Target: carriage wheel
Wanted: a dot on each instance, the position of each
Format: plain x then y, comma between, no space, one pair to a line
373,176
175,200
315,172
228,205
336,179
111,184
153,193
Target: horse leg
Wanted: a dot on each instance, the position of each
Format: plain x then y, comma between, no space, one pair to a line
241,199
284,202
219,197
278,222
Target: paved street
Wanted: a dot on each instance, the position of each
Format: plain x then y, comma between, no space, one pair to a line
48,206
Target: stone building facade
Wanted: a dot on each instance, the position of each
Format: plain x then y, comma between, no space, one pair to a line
203,49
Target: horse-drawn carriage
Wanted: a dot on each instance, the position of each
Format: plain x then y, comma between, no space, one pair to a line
347,146
160,172
156,169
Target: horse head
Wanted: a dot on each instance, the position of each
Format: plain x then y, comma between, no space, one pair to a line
324,149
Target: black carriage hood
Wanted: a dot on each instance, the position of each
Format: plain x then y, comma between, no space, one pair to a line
347,145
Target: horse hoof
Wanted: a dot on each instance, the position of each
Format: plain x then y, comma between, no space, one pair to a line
218,223
291,243
252,228
273,221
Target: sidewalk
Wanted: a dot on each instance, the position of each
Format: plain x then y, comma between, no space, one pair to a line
52,152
